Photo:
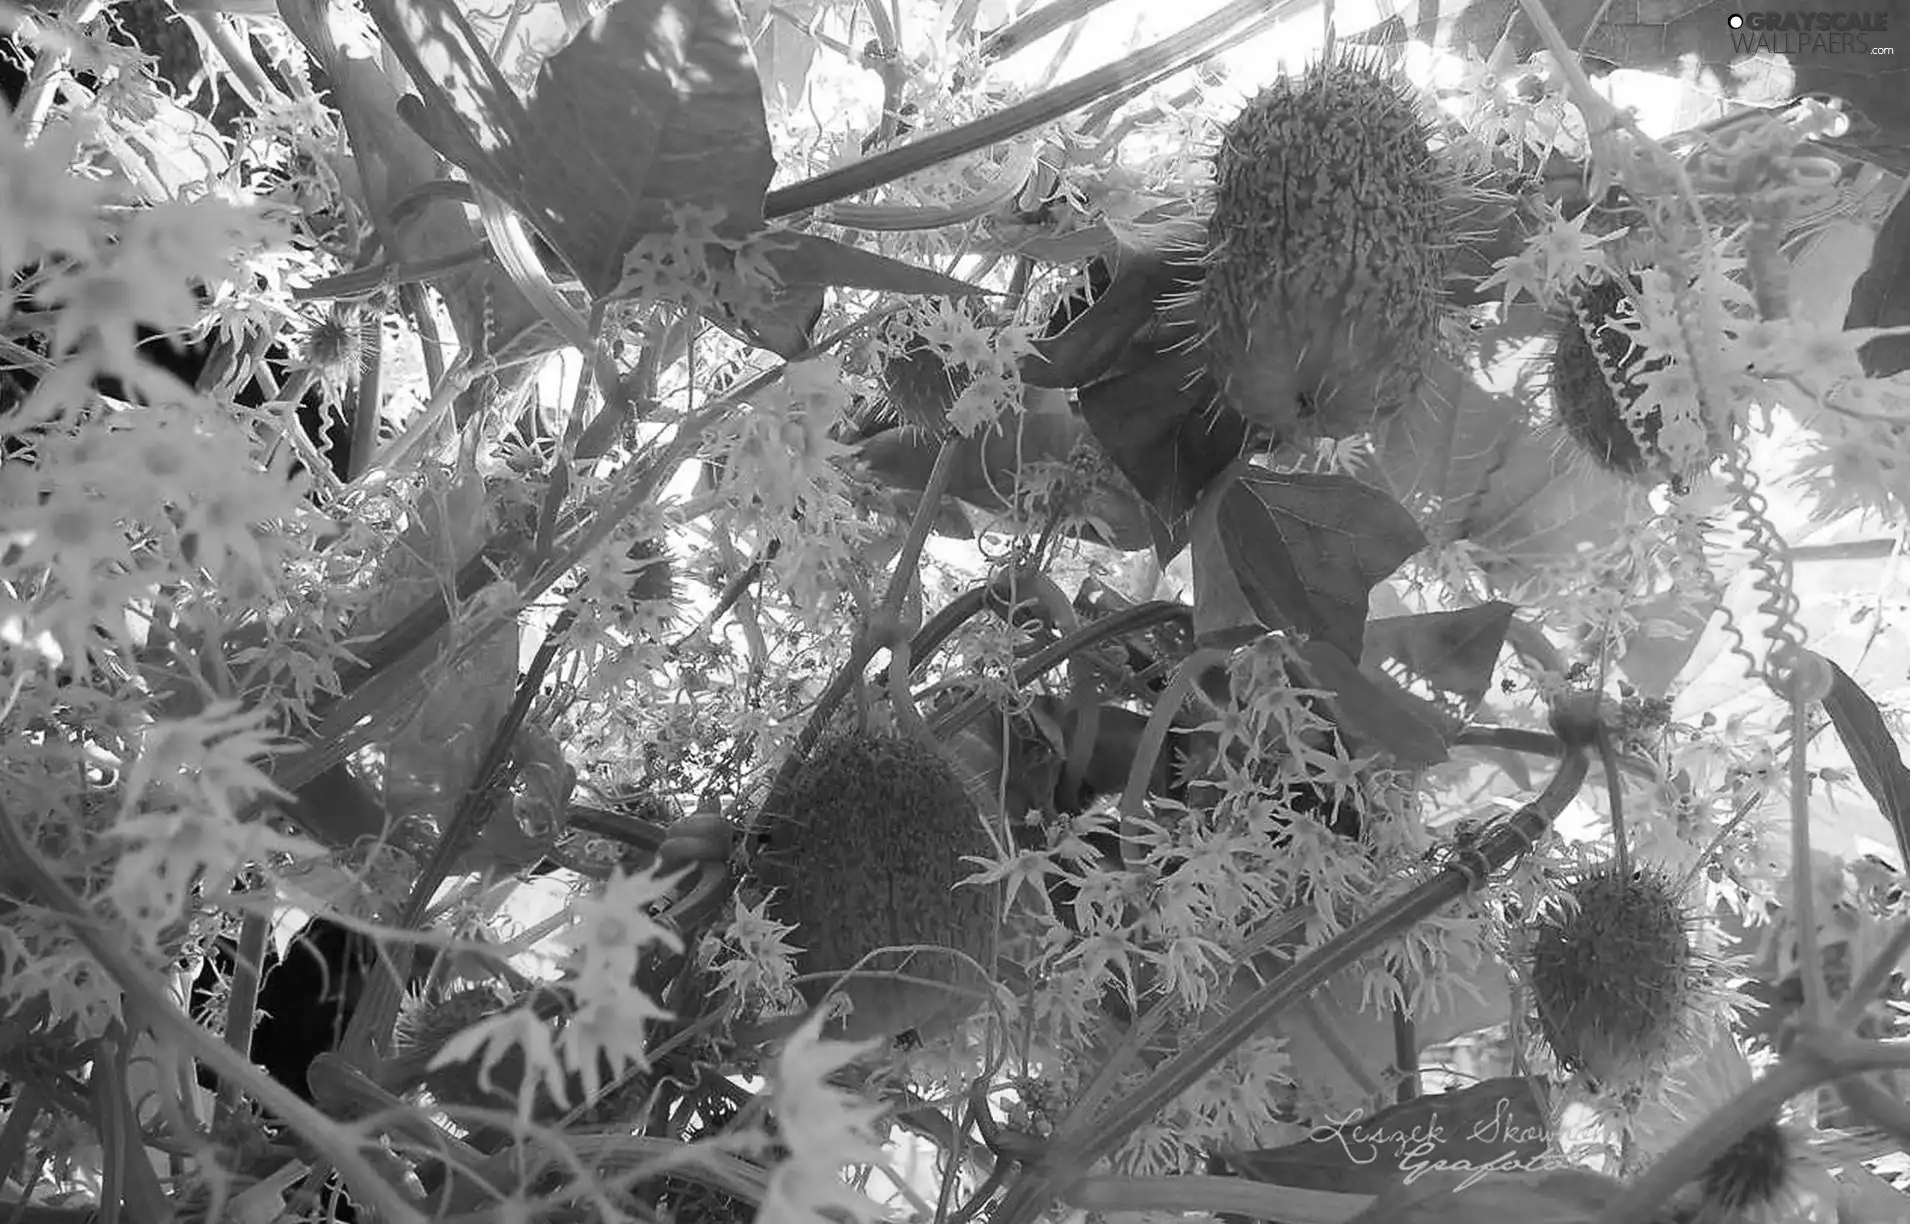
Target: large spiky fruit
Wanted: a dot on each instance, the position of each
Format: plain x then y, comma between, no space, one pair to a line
1755,1172
1615,975
869,855
1327,252
1594,369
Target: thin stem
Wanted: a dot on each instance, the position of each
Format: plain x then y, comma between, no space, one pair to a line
1536,743
475,808
1877,1107
1127,620
1803,869
1615,792
242,1007
1870,983
1709,1140
1196,43
889,59
884,622
1154,737
148,1000
1017,35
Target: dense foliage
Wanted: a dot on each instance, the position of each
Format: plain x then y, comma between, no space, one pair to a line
708,610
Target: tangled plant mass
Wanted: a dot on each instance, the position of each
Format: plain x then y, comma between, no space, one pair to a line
987,748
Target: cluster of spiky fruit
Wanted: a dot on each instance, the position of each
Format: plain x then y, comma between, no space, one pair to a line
868,854
1327,251
1615,975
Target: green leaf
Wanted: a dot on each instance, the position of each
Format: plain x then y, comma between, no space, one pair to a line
1091,345
1308,549
1440,454
466,109
1453,653
1223,615
1370,714
654,102
1498,1119
1881,297
1873,751
1157,419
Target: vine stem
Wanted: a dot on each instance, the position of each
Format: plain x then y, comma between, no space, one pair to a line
148,1000
1196,43
1803,870
1107,628
1023,31
1079,1146
1818,1056
884,627
1159,723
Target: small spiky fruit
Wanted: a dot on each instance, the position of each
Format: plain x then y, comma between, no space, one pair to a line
920,387
870,855
1615,975
335,347
1753,1173
1589,354
1327,250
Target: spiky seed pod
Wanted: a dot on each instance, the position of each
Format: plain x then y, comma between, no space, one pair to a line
920,387
1615,976
869,856
1754,1173
1594,371
1327,250
336,346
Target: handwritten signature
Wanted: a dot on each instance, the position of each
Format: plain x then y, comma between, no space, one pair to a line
1417,1148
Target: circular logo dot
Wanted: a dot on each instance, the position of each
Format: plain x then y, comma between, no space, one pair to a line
1737,21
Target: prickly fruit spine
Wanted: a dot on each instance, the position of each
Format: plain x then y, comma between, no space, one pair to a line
1615,976
1327,251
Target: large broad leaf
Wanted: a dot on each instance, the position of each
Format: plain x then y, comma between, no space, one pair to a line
1453,654
1881,297
1158,419
1378,715
1439,454
653,102
1873,750
1307,549
1496,1120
